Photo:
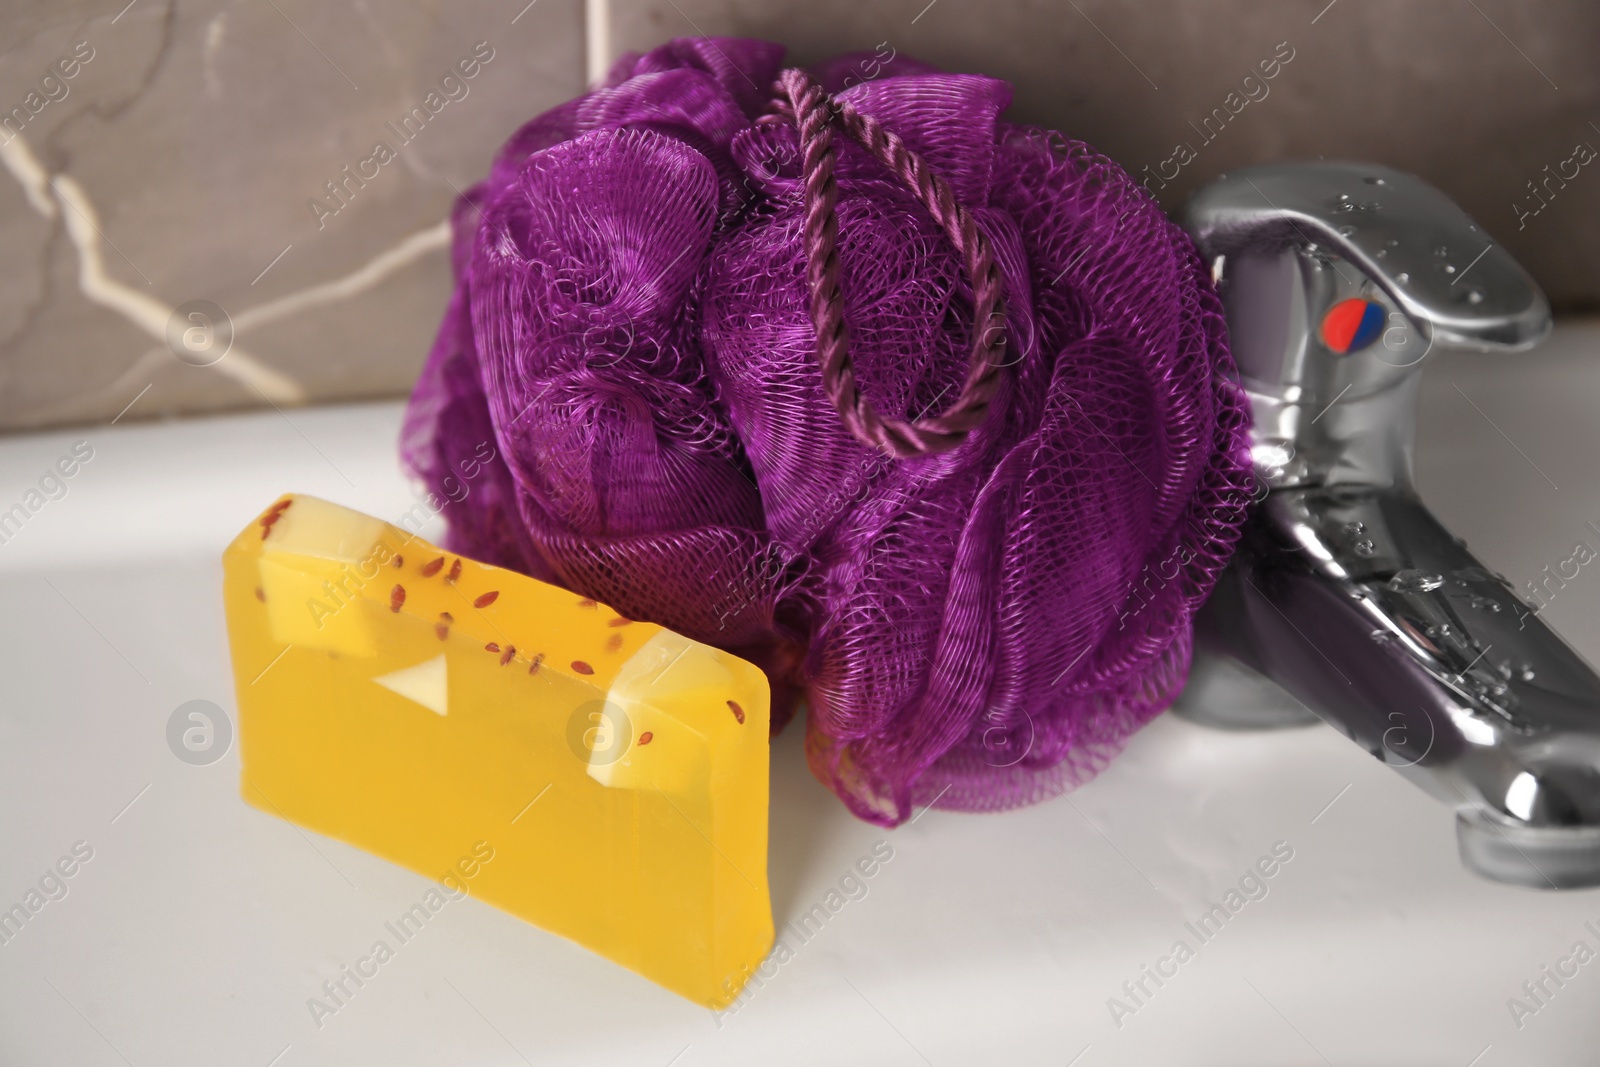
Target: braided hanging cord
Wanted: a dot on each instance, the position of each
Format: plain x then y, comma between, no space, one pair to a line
815,112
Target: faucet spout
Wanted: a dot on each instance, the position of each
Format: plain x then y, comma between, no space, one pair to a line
1360,605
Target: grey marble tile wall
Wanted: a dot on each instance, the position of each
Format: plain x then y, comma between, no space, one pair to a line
226,155
279,169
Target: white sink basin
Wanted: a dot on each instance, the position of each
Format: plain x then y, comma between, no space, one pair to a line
199,928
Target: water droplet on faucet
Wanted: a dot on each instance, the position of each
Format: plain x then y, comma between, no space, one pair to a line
1354,528
1402,277
1365,547
1525,672
1415,581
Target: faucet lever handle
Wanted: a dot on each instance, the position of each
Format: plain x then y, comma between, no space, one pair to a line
1449,277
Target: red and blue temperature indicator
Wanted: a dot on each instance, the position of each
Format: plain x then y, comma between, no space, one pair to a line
1351,325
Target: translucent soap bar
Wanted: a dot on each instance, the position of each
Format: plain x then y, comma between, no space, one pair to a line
428,708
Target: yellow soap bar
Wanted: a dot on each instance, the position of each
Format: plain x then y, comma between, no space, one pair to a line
431,709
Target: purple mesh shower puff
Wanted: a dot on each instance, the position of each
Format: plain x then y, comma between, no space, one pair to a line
977,629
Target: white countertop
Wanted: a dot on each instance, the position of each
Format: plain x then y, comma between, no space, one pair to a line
200,927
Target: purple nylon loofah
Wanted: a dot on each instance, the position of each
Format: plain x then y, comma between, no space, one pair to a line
633,330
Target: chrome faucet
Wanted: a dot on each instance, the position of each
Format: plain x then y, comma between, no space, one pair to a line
1347,600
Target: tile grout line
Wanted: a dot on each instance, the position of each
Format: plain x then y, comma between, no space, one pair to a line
596,40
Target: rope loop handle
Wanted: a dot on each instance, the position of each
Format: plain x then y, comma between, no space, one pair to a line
815,113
